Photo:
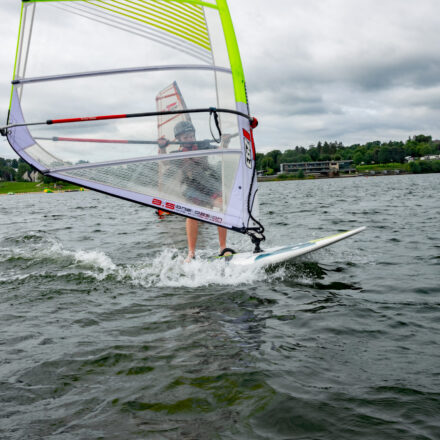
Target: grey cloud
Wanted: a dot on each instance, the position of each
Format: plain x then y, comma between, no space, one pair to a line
322,70
289,101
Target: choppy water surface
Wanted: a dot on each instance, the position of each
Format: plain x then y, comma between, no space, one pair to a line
105,334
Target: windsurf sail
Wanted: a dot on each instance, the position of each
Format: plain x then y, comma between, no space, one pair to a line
85,106
170,99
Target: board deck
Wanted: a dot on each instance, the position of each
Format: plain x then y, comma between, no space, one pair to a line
284,253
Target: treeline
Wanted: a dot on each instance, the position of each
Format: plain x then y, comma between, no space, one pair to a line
13,169
17,170
424,166
375,152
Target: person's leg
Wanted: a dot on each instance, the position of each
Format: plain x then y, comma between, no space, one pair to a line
192,229
222,237
221,231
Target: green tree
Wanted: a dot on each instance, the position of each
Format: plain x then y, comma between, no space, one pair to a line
414,167
48,179
384,155
314,154
358,158
267,163
276,156
424,149
422,139
23,168
258,159
7,173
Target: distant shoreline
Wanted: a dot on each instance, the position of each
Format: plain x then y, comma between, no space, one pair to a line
344,176
12,188
16,188
12,193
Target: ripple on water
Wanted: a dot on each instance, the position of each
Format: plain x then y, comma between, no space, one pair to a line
109,335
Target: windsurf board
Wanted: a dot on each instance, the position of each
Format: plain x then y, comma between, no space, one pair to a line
281,254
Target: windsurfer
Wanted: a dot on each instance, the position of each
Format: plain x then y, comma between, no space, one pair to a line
201,181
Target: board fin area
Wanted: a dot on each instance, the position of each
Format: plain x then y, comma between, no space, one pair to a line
281,254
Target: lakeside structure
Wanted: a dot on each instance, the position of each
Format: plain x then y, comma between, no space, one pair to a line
429,157
320,168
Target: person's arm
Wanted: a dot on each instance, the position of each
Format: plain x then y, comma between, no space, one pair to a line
162,144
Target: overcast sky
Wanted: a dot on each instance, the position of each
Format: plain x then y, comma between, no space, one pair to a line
320,70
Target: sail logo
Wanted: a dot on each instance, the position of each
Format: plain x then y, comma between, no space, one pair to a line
206,216
186,211
248,150
167,205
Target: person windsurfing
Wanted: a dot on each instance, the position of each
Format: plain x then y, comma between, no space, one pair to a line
201,181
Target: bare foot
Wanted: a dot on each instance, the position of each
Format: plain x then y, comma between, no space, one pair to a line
190,257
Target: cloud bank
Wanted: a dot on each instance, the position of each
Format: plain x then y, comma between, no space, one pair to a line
321,70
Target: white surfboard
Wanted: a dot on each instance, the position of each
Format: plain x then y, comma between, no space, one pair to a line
284,253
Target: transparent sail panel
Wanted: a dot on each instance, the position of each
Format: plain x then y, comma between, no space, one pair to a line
201,181
96,142
122,93
148,32
126,154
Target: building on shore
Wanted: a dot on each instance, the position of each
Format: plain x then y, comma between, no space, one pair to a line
429,157
321,168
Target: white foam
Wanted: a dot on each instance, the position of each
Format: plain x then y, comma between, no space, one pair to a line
165,269
168,269
100,263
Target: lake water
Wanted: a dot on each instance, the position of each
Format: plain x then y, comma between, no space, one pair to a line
106,335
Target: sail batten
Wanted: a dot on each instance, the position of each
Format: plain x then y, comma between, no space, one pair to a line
120,71
165,78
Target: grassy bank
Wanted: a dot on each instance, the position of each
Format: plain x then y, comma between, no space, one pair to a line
281,177
415,167
383,167
28,187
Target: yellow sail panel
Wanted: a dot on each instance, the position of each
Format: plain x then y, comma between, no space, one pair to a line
182,20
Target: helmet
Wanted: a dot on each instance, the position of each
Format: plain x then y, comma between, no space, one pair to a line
183,127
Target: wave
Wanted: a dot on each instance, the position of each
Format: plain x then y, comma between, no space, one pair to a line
42,255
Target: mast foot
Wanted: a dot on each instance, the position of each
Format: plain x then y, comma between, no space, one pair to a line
256,241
